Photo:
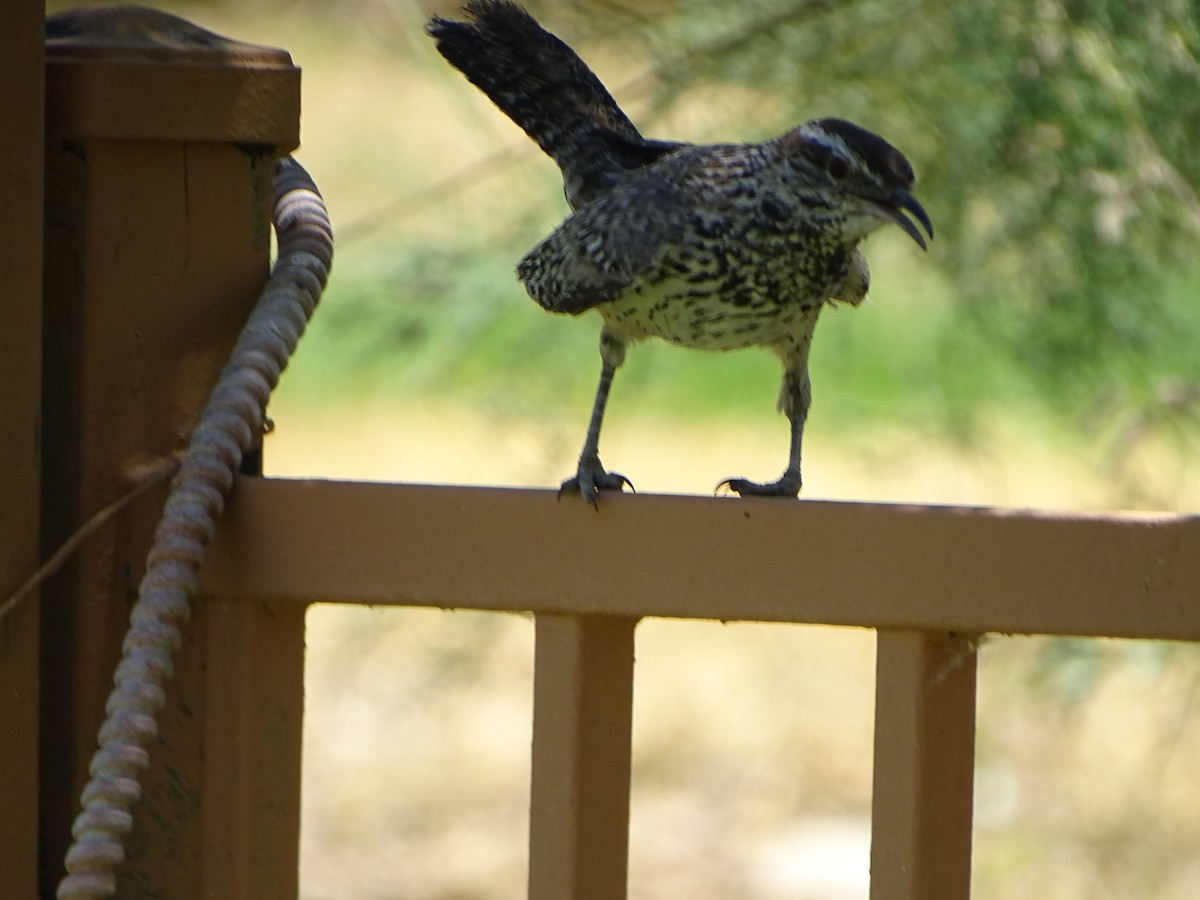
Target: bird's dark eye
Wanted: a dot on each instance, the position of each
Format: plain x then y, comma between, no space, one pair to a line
837,167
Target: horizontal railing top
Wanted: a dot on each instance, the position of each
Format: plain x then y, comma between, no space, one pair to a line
929,568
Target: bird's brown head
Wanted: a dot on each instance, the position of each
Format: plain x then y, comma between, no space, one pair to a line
858,177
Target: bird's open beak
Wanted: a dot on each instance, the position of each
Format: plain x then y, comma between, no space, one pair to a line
893,207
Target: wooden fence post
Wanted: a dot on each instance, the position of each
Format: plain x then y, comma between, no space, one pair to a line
21,105
582,724
160,141
924,766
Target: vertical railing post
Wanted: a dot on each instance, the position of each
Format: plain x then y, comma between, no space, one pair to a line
924,766
21,105
251,790
582,725
160,140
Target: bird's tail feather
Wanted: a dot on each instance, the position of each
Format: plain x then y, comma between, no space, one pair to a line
535,78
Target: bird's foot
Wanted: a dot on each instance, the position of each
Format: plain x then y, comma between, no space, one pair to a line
591,478
787,486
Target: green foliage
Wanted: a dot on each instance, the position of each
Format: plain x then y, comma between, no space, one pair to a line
1056,143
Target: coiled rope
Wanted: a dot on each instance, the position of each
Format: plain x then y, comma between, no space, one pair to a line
227,427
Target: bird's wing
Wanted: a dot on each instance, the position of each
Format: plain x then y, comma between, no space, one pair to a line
606,248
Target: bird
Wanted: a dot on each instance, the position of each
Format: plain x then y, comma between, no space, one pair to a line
707,246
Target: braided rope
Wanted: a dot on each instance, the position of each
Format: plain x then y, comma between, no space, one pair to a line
226,430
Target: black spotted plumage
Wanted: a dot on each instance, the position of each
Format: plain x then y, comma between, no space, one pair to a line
714,247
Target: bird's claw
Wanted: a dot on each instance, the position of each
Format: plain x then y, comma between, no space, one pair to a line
787,486
591,479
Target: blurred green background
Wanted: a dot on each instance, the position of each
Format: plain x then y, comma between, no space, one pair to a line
1055,149
1043,353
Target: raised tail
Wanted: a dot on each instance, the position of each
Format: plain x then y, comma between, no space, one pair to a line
543,86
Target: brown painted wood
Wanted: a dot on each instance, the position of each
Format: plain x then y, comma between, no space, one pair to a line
21,74
924,767
582,722
872,565
157,244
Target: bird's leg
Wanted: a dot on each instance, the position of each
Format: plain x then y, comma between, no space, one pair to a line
795,397
590,478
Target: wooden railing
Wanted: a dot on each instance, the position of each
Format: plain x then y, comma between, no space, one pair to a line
930,579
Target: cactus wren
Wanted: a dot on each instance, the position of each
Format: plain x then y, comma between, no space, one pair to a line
716,247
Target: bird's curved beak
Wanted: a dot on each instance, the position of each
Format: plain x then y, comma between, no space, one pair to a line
894,206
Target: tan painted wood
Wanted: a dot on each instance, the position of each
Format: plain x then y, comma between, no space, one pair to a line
924,767
254,693
21,139
872,565
582,721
